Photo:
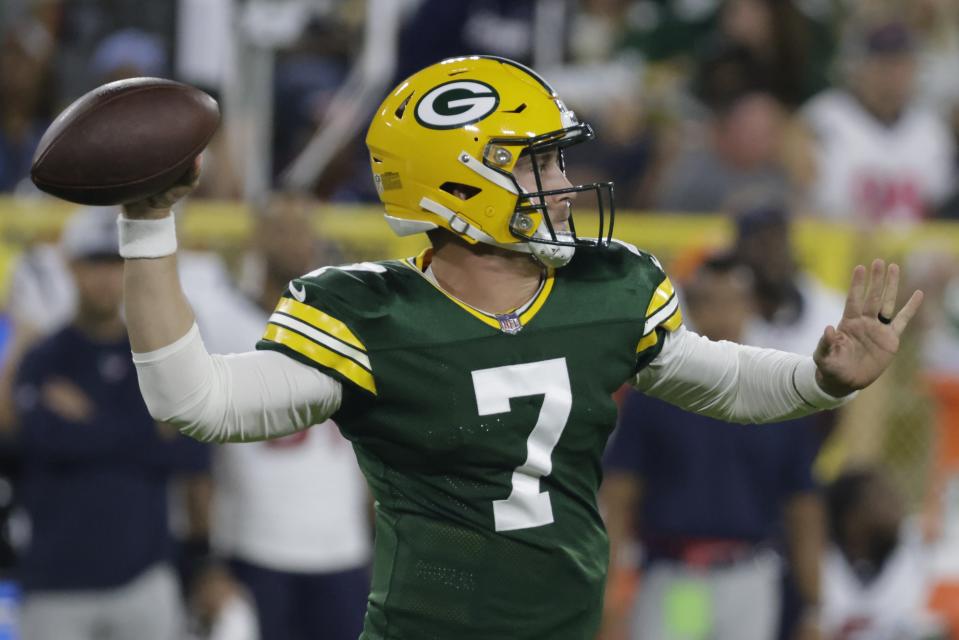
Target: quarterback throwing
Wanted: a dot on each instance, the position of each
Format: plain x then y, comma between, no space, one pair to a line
474,380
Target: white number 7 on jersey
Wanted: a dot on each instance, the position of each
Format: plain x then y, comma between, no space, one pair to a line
526,506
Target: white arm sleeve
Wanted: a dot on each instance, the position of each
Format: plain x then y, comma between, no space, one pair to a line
233,398
733,382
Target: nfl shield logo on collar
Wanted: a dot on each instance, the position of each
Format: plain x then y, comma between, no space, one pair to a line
509,323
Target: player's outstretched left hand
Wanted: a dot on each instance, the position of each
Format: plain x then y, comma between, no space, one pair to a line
856,352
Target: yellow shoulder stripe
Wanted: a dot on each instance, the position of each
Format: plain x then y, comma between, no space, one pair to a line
660,297
320,354
647,342
322,321
674,321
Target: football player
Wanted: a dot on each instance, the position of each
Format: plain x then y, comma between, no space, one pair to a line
474,380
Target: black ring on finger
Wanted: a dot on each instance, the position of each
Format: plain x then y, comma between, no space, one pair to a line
883,319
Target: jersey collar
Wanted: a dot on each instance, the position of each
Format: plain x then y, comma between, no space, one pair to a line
511,322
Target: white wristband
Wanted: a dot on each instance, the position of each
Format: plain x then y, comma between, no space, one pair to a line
154,238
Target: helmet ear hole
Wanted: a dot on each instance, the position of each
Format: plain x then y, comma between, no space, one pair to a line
400,110
460,190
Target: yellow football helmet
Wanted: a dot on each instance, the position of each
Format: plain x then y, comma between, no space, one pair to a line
443,146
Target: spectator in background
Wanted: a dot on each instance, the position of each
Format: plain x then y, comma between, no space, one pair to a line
709,499
791,306
789,51
25,99
290,515
95,467
876,578
879,155
739,149
41,299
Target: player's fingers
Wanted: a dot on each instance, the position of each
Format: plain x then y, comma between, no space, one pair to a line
890,292
825,342
908,311
179,190
192,176
857,287
187,182
873,297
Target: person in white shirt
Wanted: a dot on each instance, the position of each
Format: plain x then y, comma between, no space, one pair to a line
876,578
879,155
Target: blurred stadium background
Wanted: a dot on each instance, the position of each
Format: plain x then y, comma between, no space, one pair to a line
703,108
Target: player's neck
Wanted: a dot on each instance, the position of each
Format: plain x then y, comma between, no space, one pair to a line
496,282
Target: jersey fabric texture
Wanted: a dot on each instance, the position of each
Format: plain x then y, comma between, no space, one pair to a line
481,436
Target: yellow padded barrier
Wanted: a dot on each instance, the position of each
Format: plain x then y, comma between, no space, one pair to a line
827,249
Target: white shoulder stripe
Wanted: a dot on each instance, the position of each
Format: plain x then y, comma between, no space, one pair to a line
318,336
660,316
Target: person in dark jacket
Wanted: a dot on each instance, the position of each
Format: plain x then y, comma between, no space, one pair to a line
95,467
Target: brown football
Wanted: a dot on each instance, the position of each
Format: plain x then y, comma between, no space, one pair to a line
124,141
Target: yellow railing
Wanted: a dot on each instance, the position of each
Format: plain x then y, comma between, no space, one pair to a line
827,249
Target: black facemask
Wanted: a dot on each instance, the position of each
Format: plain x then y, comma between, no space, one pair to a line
535,201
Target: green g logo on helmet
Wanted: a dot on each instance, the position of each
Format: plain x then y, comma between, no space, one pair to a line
456,104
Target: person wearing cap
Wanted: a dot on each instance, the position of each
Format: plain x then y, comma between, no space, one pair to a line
95,467
879,155
790,303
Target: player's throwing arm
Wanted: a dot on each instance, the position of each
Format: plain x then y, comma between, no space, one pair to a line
136,143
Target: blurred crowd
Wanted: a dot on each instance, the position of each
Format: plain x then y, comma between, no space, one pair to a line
846,108
766,112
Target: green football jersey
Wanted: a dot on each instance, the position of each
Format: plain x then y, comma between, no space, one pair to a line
481,436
